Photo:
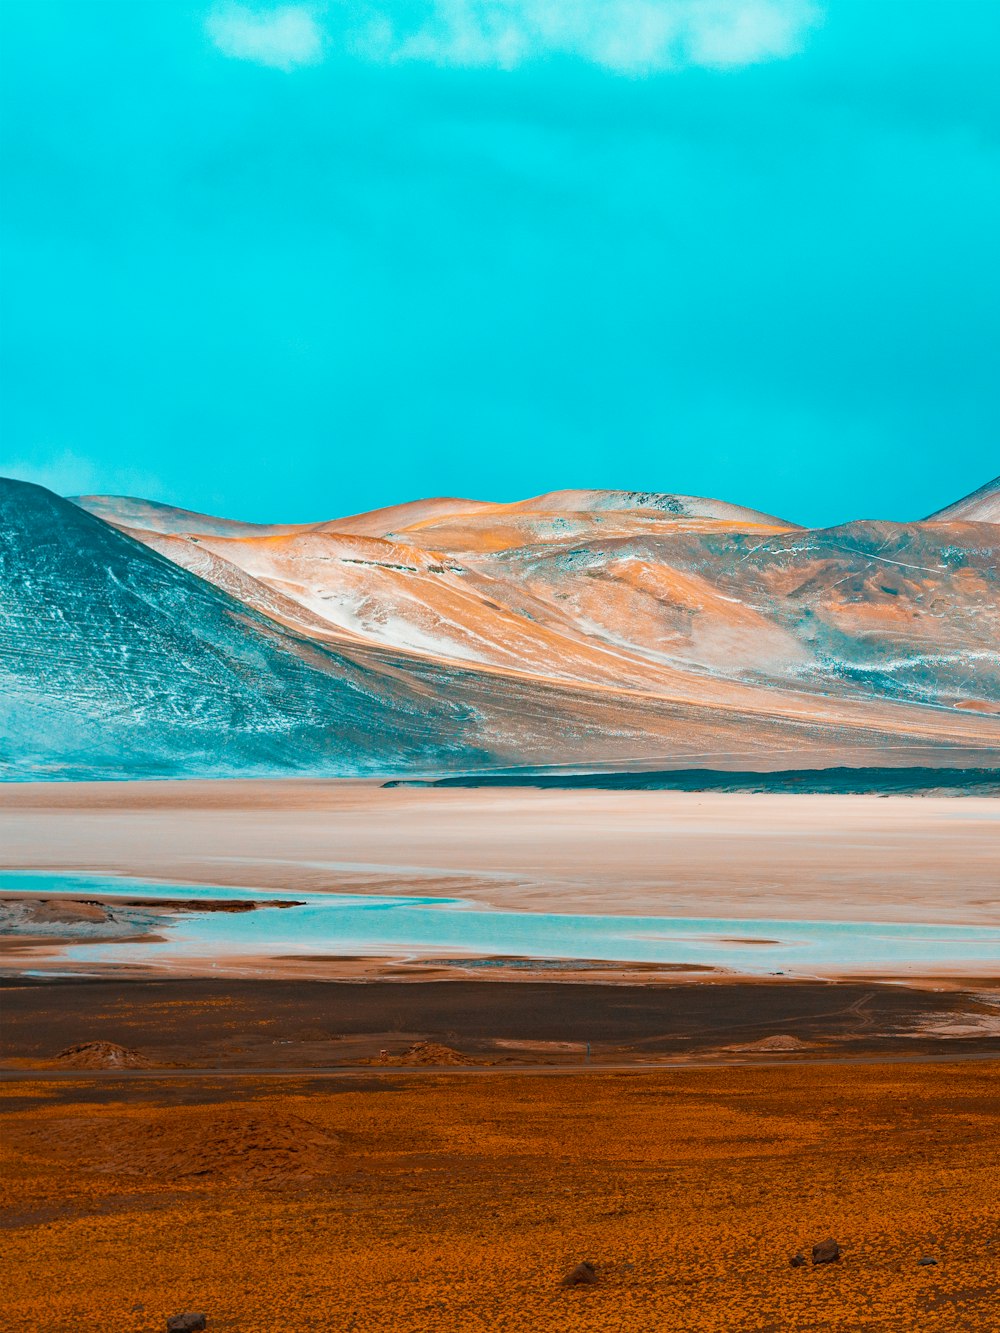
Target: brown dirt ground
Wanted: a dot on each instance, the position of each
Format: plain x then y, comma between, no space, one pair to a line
458,1202
295,1026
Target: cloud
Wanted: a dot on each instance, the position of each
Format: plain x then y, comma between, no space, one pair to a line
746,32
628,36
282,38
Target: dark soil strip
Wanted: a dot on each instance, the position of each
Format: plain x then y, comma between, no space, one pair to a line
302,1024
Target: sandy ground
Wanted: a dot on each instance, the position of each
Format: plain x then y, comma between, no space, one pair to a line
458,1204
915,859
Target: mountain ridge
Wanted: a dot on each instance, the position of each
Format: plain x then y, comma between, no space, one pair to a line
611,634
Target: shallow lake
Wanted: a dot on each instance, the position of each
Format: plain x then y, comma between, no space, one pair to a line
350,924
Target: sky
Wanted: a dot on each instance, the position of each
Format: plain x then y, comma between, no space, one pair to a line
290,262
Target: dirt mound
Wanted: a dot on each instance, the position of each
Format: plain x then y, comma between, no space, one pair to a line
427,1053
184,1144
102,1055
783,1043
252,1143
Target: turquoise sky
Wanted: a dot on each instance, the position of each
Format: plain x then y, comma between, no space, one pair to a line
289,262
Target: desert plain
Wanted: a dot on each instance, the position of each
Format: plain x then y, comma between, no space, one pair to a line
454,1202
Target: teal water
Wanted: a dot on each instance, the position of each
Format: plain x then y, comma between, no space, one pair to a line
351,924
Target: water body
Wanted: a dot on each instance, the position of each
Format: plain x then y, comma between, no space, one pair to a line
335,924
907,781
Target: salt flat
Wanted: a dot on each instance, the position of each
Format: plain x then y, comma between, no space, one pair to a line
794,857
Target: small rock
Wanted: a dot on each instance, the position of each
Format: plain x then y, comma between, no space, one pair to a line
926,1261
826,1252
797,1260
582,1275
186,1323
137,1308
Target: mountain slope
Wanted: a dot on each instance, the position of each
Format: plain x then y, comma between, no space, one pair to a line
128,511
113,657
654,639
891,611
647,599
982,506
678,506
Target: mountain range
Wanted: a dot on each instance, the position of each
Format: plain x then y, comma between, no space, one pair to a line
576,628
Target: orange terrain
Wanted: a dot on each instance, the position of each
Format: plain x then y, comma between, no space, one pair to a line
437,1202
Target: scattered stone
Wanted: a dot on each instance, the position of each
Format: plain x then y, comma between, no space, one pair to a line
826,1252
137,1308
926,1261
797,1260
580,1276
186,1323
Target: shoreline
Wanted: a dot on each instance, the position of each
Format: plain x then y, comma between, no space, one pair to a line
906,862
38,928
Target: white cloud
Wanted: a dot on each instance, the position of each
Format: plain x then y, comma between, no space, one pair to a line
745,32
282,38
628,36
